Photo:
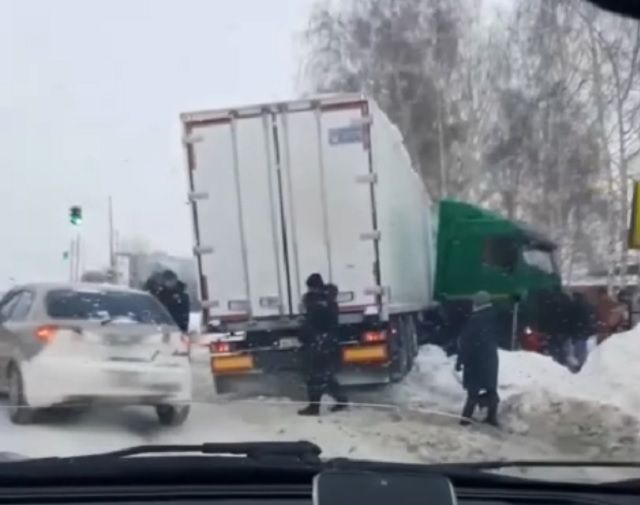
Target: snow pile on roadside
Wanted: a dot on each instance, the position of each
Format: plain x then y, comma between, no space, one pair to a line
527,371
433,379
572,424
613,369
592,410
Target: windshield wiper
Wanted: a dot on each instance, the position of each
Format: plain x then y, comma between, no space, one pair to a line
302,451
537,463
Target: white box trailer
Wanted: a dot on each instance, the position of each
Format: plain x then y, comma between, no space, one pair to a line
282,190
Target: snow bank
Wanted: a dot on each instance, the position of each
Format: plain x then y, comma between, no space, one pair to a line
613,368
596,410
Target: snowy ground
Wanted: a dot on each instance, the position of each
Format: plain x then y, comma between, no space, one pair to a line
546,412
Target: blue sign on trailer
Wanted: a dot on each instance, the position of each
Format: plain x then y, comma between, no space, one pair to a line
345,135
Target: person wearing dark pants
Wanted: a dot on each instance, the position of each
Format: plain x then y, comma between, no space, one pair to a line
585,325
478,360
320,345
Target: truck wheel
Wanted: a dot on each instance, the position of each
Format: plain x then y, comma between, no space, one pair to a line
412,336
172,415
408,342
400,359
222,385
19,410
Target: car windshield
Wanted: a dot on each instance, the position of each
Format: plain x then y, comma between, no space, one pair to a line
105,306
323,220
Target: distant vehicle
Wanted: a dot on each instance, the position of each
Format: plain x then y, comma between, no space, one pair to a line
79,344
282,190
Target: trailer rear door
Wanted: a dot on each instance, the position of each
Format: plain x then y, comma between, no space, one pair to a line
328,200
237,215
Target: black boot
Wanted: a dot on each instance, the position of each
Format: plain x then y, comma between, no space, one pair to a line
492,410
313,409
340,406
314,393
335,390
469,407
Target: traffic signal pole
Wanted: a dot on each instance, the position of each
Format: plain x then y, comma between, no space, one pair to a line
75,265
71,258
78,258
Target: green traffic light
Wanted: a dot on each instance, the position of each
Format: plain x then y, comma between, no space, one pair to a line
75,215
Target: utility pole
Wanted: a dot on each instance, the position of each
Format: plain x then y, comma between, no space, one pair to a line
112,254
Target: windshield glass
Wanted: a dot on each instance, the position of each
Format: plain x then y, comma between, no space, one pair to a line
327,201
105,305
541,259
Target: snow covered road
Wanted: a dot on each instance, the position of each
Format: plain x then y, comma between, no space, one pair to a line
547,413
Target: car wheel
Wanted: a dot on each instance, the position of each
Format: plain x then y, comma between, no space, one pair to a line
172,415
19,410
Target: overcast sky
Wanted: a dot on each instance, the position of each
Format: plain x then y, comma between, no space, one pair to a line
90,93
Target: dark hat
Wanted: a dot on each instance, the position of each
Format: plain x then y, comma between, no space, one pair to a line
314,281
169,275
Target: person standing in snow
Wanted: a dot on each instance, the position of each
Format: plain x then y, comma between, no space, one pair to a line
478,359
562,326
171,292
320,345
584,318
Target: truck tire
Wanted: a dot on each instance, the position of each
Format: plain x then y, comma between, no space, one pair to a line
222,385
400,358
408,342
412,334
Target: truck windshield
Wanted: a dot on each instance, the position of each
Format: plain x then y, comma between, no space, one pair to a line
541,259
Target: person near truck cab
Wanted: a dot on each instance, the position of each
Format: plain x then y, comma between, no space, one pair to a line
478,360
171,292
584,319
561,325
320,345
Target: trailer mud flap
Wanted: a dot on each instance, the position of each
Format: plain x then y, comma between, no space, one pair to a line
288,385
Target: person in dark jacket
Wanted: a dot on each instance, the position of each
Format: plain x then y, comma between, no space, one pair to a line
561,325
320,345
478,359
584,321
171,292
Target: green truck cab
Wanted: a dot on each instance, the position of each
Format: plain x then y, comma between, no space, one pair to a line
478,250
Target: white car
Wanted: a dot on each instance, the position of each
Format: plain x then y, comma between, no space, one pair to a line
80,344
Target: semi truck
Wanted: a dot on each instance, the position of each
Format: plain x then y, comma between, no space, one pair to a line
282,190
479,250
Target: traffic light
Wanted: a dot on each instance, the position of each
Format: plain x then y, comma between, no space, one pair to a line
75,215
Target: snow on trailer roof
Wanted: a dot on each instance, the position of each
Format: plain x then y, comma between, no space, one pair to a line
256,109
